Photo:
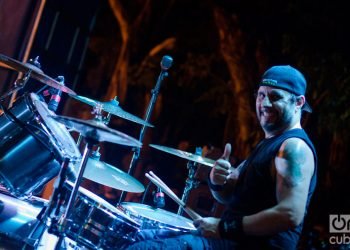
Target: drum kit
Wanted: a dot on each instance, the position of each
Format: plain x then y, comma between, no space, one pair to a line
36,146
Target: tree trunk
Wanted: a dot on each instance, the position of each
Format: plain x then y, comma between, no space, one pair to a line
119,81
241,121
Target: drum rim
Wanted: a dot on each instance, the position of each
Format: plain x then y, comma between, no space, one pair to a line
53,137
188,222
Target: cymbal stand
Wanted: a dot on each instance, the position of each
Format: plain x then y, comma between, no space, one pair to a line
47,219
18,85
165,64
22,81
97,111
191,181
91,141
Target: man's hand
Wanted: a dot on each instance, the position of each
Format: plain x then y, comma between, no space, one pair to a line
208,227
222,170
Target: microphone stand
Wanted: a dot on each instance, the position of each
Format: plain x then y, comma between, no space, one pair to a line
165,64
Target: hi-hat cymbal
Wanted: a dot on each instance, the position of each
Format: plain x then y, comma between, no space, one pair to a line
35,73
185,155
108,175
113,108
97,131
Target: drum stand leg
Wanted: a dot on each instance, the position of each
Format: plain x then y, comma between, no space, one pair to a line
59,227
47,217
191,181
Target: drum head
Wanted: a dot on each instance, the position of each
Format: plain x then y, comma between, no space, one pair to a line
159,215
58,133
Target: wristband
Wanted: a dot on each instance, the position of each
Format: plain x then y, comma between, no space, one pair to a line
214,187
231,228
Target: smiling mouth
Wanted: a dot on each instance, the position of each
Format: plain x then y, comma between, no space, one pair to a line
266,113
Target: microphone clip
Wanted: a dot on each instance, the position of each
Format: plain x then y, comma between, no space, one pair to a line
159,199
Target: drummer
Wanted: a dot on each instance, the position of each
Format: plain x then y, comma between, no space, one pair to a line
269,193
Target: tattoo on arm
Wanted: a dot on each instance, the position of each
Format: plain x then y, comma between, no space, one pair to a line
295,158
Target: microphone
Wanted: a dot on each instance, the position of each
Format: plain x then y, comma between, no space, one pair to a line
166,63
158,199
55,95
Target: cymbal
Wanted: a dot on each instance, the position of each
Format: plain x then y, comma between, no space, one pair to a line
185,155
97,131
108,175
35,73
113,108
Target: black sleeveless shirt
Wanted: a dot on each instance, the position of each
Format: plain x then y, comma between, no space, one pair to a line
256,191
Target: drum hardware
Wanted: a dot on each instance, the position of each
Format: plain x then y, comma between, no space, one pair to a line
97,224
18,219
185,155
192,165
112,108
93,132
160,184
20,123
106,174
22,81
102,172
92,223
48,218
165,64
33,71
97,111
156,218
191,181
31,145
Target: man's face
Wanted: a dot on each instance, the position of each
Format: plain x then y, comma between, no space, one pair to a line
275,109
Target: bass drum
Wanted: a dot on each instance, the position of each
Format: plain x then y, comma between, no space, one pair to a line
31,146
156,218
17,220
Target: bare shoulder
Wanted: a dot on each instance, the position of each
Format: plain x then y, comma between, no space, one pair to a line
295,149
295,161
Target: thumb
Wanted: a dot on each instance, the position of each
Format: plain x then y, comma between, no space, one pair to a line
227,152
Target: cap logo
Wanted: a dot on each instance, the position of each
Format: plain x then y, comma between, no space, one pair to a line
269,82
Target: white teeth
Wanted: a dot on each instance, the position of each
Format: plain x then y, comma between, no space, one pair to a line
266,113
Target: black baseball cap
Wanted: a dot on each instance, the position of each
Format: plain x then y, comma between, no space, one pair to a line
287,78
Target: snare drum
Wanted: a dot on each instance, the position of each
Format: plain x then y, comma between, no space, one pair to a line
31,144
96,224
156,218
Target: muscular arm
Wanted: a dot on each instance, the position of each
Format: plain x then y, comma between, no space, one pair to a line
294,167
